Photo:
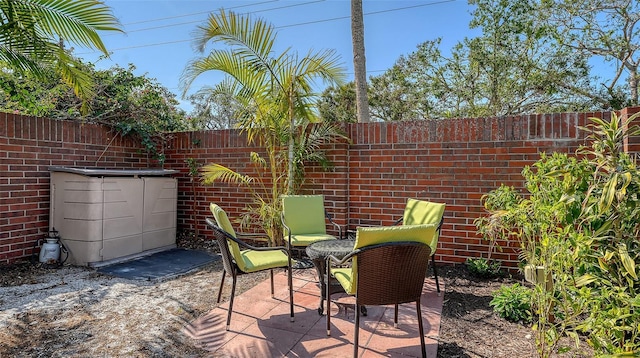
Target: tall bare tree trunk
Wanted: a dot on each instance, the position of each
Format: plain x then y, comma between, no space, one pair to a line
633,85
359,61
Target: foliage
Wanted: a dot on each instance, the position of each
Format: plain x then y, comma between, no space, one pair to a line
213,110
32,35
392,97
484,268
612,218
531,57
512,303
580,222
276,105
37,96
338,104
605,30
138,106
496,226
131,104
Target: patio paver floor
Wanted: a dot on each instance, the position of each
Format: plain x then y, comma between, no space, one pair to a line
260,325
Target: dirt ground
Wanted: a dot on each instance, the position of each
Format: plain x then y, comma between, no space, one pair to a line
77,312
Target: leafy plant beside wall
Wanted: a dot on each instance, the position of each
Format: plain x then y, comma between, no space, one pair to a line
194,174
578,226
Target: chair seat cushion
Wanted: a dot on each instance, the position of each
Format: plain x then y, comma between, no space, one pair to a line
307,239
344,276
263,260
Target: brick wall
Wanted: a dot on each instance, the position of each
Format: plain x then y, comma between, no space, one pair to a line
454,161
28,146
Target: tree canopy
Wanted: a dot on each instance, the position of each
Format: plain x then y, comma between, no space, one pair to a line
532,57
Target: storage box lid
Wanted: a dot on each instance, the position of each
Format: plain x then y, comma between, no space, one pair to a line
96,172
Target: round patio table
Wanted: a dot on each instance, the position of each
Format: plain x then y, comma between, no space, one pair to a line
318,253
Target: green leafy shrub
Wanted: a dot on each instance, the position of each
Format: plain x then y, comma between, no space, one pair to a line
482,267
512,303
579,219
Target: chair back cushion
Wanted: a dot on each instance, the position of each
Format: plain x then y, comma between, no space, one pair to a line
304,214
368,236
223,222
419,212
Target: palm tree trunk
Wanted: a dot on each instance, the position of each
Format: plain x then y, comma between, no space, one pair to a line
359,61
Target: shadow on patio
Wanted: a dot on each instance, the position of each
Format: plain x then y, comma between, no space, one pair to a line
260,325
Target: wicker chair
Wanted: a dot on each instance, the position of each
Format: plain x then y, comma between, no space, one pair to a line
418,212
388,266
303,217
252,259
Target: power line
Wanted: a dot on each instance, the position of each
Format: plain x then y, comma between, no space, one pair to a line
207,12
365,14
196,13
271,9
277,27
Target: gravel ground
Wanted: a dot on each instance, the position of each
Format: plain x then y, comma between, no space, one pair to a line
77,312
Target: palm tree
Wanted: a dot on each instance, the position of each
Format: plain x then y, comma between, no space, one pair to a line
33,32
276,91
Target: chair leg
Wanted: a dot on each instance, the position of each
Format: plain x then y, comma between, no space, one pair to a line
290,280
421,329
356,334
395,316
435,273
233,294
327,298
221,285
272,291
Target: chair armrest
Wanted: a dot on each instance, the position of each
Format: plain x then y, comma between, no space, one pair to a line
286,227
244,244
255,237
334,260
328,216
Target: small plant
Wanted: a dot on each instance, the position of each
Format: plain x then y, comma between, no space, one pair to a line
194,172
512,303
483,267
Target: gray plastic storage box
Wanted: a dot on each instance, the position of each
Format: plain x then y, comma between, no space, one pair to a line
111,215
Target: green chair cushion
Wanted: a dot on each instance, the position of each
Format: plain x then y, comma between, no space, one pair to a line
262,260
418,212
366,236
304,214
344,275
307,239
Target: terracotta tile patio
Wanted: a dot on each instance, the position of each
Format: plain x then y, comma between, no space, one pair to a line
260,325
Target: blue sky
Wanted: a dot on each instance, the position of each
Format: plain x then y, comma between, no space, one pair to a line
158,32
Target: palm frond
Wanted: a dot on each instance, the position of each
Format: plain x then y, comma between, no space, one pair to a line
74,21
252,39
81,81
227,62
213,172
